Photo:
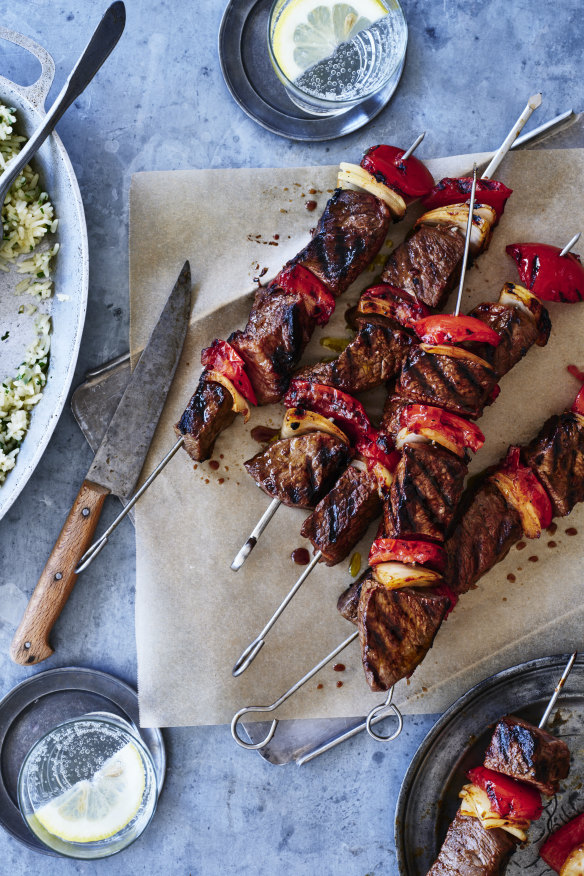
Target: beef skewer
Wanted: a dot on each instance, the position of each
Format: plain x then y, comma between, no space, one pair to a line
453,469
208,415
521,761
440,242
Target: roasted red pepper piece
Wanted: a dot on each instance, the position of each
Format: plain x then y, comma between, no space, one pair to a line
547,274
446,328
509,798
221,356
387,300
451,190
558,846
445,590
425,553
297,278
578,406
456,429
526,484
410,178
373,452
345,410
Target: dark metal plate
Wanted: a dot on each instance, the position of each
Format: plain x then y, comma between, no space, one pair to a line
428,798
48,699
250,77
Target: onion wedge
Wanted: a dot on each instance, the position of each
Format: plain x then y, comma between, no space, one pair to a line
456,215
298,421
240,405
354,175
394,575
476,804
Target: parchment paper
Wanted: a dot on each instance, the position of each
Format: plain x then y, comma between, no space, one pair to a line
193,614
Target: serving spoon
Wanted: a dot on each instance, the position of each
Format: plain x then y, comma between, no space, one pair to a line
100,46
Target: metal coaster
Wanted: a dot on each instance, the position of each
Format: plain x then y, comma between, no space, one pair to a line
48,699
428,799
250,77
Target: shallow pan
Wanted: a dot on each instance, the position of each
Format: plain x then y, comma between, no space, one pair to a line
70,274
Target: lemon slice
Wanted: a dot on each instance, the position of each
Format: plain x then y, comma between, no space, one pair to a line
97,808
307,31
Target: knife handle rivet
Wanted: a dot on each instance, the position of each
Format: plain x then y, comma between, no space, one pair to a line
58,576
85,512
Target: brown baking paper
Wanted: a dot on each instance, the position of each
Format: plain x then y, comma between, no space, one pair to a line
193,614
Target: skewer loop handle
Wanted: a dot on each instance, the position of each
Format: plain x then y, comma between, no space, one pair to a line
384,710
251,746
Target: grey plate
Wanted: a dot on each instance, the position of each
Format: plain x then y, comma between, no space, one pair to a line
428,798
42,702
250,77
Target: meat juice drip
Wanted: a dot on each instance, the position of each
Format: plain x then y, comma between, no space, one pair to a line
310,206
339,683
213,464
552,528
552,544
263,434
511,577
520,545
339,667
533,559
571,531
300,556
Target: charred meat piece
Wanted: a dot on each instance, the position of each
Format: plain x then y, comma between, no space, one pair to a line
299,470
425,492
343,516
392,410
486,529
396,630
209,411
427,264
271,345
349,234
459,385
518,332
348,601
471,850
525,752
556,457
374,355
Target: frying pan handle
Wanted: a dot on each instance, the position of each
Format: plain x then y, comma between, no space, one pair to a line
38,91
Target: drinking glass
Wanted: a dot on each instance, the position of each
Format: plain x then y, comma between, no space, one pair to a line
332,57
87,788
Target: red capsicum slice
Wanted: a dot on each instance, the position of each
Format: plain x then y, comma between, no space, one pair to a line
221,357
297,278
424,553
547,274
372,452
425,419
387,300
509,798
578,406
410,178
451,190
446,328
558,846
345,410
524,492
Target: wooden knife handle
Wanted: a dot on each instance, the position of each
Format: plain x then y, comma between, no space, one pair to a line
31,640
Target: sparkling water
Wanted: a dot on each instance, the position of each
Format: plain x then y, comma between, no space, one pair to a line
360,66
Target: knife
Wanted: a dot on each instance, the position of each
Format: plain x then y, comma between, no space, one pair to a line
115,469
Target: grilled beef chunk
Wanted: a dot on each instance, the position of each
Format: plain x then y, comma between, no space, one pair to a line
349,234
396,630
427,264
209,411
299,470
390,421
556,457
425,492
486,528
471,850
374,355
342,517
348,601
518,332
525,752
461,386
271,345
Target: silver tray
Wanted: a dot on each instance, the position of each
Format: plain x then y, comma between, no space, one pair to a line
428,798
45,700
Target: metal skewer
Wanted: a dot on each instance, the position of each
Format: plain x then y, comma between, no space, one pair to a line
413,147
532,104
557,691
253,649
571,244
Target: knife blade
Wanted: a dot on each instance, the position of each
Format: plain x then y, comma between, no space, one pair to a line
115,469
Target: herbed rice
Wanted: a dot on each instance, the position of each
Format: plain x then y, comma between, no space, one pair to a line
27,216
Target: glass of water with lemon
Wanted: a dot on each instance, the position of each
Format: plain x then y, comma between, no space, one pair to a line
87,789
331,56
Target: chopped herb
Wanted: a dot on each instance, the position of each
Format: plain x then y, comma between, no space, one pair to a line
5,336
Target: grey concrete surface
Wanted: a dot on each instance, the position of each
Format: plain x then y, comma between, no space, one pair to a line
160,103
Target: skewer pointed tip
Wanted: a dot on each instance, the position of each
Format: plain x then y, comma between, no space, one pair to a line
571,243
535,100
